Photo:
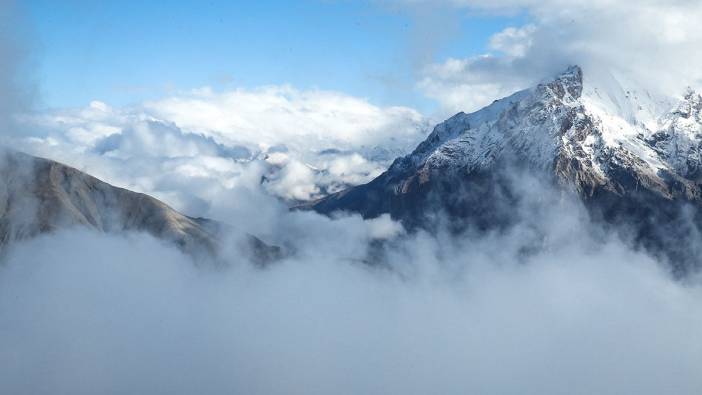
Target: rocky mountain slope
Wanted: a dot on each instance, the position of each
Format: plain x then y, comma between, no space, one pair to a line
632,158
39,196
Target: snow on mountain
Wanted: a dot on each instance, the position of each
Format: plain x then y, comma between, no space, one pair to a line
570,117
633,157
679,137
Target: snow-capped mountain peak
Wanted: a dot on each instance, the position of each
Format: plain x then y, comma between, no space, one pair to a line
569,116
474,140
631,155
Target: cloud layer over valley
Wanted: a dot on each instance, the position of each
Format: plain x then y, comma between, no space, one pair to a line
94,313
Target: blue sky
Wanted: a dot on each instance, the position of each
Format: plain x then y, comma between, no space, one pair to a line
129,51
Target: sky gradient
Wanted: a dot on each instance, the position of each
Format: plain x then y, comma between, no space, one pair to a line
127,52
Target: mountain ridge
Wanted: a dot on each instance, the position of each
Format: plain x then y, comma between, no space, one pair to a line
630,167
39,196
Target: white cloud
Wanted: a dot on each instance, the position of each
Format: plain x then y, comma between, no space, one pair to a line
470,84
296,181
384,228
303,120
513,41
87,313
653,42
302,144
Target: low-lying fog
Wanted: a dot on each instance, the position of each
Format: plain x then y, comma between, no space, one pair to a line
87,313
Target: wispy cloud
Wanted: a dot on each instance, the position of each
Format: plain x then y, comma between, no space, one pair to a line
652,42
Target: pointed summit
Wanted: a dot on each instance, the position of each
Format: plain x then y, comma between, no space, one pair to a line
568,82
573,73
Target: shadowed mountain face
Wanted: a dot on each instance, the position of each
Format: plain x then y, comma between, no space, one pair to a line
40,196
633,160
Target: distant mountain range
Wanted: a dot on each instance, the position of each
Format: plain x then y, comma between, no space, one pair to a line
632,158
39,196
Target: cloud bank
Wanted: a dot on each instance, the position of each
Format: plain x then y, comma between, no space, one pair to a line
85,313
300,145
